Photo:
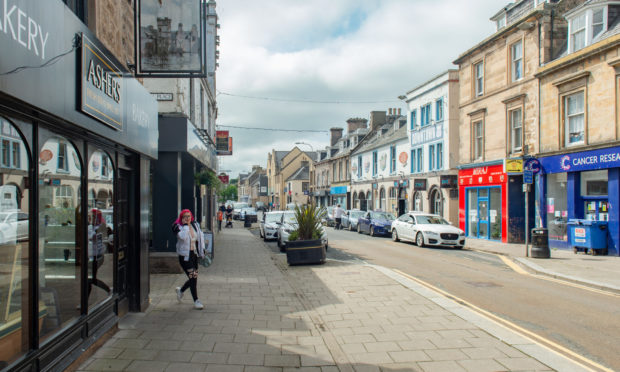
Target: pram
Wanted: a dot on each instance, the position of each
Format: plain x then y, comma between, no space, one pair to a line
229,220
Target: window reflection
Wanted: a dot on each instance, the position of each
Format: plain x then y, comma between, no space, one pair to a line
100,228
59,229
14,244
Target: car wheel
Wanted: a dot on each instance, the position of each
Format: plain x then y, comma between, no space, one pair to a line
260,232
350,227
395,235
359,229
419,240
372,231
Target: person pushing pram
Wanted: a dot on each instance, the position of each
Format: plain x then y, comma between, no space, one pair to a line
229,217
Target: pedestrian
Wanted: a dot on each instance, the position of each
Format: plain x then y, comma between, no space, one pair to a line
338,212
190,246
220,217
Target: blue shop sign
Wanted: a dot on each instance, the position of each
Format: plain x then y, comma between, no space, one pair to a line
581,161
338,190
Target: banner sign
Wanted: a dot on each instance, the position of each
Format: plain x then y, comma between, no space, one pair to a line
427,134
224,178
581,161
489,175
223,143
513,166
419,184
171,38
448,181
102,86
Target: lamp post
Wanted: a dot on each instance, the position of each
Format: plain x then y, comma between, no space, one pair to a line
305,143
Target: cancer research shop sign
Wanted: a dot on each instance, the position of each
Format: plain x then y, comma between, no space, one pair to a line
582,161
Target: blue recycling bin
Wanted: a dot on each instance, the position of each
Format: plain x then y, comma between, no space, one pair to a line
588,235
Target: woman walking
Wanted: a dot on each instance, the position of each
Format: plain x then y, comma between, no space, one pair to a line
190,246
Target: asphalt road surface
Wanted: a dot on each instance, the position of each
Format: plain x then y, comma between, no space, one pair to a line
585,322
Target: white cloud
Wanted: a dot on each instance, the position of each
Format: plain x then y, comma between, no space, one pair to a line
345,50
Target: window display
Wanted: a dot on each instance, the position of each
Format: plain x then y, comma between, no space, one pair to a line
557,212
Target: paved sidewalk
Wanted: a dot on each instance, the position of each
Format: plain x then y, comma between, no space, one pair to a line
262,315
595,271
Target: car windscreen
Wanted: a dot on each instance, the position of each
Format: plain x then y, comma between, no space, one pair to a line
241,205
356,214
248,210
431,220
275,217
289,218
381,216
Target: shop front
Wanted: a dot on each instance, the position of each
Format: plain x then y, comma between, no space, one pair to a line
77,140
581,185
339,195
483,197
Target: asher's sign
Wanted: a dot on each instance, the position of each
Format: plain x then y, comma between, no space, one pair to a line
102,86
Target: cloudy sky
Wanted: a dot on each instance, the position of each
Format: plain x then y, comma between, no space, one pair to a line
312,64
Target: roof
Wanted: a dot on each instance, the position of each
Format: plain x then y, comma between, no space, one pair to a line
279,156
302,173
377,141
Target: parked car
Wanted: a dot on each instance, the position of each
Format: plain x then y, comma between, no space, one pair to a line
329,220
427,229
248,212
237,207
13,226
375,223
349,220
260,206
288,224
269,225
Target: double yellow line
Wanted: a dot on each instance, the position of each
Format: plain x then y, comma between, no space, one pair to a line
550,345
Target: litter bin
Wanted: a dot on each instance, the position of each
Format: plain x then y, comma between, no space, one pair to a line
589,236
540,243
247,222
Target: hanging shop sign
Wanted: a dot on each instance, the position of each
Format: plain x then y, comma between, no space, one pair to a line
102,86
513,166
581,161
448,181
171,38
223,143
532,165
419,184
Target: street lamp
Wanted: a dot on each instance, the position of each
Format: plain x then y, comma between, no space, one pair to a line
305,143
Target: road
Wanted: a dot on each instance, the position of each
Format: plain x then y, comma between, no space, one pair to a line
582,321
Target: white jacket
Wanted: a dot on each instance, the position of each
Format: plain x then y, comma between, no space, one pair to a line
184,240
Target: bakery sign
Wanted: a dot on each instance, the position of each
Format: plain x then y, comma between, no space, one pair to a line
102,86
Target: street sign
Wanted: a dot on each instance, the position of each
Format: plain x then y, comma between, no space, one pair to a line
528,176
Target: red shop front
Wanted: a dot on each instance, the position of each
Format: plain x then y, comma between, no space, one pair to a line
483,211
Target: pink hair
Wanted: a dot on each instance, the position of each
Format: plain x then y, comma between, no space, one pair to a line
180,219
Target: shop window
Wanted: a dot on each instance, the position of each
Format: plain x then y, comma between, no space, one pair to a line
436,204
60,245
574,119
417,201
100,232
594,194
14,249
557,210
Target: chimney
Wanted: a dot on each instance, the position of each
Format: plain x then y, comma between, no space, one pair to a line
390,111
354,124
336,134
399,111
377,118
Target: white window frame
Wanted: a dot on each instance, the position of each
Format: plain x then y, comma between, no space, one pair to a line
568,116
479,79
500,23
512,114
516,61
587,29
477,148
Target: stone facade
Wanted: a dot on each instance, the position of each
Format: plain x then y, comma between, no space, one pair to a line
280,167
113,23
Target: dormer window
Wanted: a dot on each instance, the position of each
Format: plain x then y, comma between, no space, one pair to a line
500,23
586,26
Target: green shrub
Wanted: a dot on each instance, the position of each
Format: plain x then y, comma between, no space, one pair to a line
308,218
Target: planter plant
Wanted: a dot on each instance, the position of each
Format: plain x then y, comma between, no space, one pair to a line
305,245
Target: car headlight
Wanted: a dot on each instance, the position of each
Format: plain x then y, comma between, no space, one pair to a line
462,233
431,233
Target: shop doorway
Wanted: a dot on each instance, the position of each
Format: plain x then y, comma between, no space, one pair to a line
124,181
484,207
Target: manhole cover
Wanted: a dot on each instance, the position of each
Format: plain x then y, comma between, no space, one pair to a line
483,284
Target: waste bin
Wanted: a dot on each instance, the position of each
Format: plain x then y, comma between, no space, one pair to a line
589,236
540,243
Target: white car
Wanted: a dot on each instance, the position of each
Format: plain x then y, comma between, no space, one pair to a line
237,207
248,212
269,225
287,225
13,226
427,229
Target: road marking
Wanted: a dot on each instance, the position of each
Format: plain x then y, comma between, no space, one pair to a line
550,345
521,271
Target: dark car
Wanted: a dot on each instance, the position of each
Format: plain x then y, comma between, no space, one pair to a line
375,223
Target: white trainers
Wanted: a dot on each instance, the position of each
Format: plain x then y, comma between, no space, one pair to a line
179,294
198,305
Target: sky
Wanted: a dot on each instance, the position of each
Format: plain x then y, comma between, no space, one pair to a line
312,64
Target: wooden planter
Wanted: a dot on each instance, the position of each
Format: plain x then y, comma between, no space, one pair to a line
301,252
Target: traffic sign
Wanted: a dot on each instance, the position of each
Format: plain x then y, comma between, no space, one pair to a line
528,176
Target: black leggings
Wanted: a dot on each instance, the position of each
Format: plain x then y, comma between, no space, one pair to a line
191,270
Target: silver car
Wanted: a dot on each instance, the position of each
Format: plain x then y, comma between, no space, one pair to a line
349,219
269,225
287,225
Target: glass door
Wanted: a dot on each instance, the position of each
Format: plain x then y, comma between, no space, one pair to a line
483,220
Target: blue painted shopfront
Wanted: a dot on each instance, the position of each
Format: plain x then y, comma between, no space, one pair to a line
584,185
